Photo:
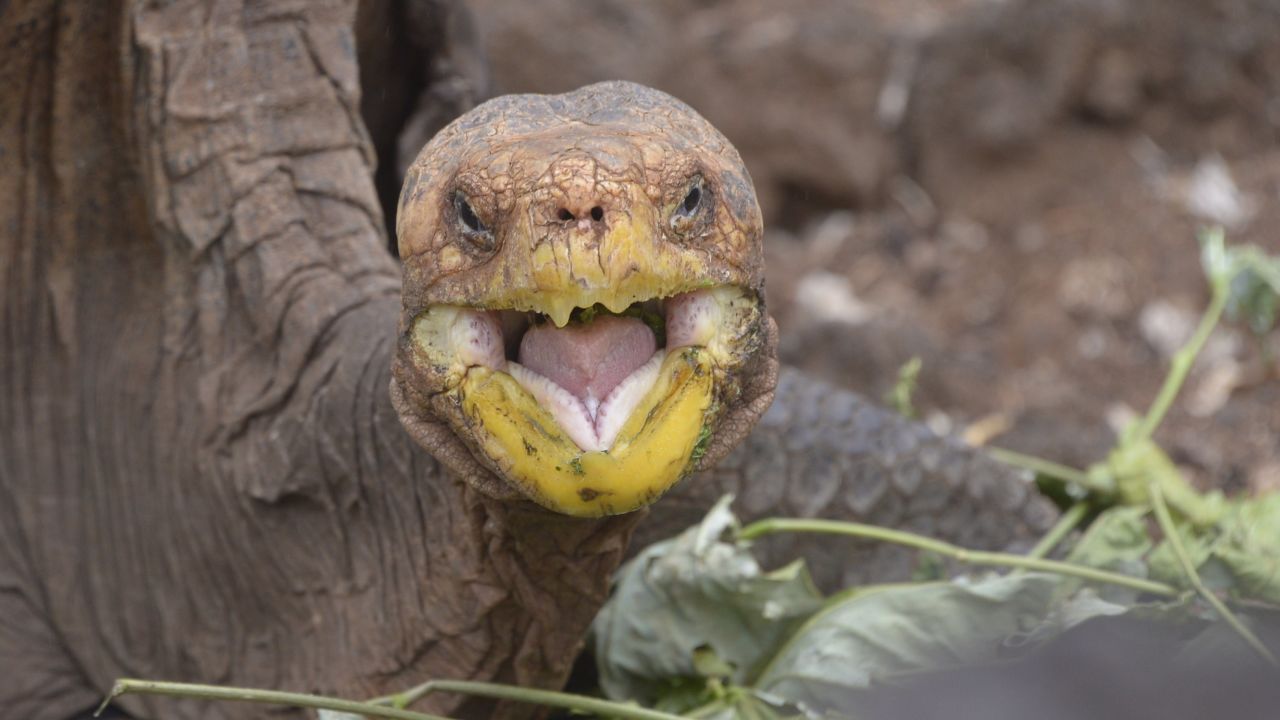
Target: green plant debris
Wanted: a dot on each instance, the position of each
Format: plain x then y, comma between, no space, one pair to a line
1173,538
700,445
1134,464
684,600
899,398
643,312
688,625
871,638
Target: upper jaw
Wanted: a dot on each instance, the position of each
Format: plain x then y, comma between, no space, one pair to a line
632,255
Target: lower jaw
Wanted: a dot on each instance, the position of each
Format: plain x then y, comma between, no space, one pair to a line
656,446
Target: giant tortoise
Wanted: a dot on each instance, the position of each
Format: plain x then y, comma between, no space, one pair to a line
240,442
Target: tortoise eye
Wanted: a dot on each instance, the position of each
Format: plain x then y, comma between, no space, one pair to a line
466,216
691,207
474,230
692,200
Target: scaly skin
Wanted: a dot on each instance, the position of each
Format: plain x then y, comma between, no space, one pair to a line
202,474
579,197
824,452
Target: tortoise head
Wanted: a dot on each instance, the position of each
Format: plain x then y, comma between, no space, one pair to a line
583,320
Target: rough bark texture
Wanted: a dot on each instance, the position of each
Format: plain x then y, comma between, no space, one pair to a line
201,475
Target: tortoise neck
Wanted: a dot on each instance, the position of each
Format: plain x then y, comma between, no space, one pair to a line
540,578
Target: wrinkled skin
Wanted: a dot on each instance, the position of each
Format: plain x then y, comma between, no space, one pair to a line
629,154
202,476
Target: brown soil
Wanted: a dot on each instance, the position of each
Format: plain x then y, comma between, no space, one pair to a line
1008,189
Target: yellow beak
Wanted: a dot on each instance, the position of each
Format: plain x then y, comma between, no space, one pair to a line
654,450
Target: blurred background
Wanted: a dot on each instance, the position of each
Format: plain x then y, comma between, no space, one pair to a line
1009,190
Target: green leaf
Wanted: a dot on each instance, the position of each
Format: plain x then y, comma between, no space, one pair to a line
1254,301
1250,548
1163,561
1084,605
1255,287
694,607
1250,277
871,637
1239,555
1117,540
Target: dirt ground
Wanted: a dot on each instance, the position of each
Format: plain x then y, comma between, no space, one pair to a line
1009,190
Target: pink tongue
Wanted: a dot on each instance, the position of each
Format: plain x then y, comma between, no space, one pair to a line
588,360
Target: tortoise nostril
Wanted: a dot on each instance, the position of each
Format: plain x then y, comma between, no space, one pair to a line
571,211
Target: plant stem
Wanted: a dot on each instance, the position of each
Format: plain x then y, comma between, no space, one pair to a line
273,697
1181,364
568,701
975,557
1039,465
1165,520
1068,522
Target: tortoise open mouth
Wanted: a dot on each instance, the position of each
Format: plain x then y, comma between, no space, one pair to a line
600,412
